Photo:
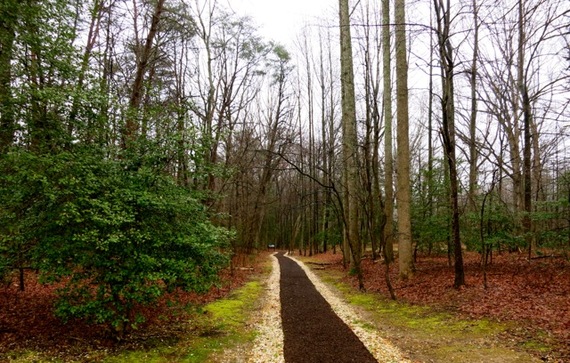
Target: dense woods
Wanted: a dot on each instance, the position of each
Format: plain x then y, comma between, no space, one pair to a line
146,145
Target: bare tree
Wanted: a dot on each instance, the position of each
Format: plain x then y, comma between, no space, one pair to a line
136,96
447,63
473,159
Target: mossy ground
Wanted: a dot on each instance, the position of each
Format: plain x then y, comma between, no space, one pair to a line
217,326
428,335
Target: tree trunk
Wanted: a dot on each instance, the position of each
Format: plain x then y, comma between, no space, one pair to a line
448,120
370,143
350,142
473,117
92,37
527,116
388,157
324,147
132,123
403,195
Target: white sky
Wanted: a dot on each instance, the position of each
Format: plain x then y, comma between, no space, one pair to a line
283,20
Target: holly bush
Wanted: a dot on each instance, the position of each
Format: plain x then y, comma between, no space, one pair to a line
113,236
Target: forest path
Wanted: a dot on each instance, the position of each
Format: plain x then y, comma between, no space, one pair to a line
312,331
294,324
314,324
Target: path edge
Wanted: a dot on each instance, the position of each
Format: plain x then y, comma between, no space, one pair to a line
269,342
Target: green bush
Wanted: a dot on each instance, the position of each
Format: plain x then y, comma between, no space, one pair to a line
115,236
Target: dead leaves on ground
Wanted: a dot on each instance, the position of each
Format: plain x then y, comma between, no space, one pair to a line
535,294
27,321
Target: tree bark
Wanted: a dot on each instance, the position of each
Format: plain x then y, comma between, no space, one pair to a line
132,125
350,141
324,143
448,130
388,157
527,119
403,194
473,117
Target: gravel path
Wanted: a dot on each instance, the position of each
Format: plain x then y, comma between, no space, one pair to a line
313,332
304,336
268,347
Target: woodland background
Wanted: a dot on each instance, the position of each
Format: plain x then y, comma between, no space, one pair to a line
145,145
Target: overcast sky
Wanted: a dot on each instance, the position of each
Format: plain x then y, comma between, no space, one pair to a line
283,20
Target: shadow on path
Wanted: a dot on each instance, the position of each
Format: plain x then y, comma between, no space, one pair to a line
312,331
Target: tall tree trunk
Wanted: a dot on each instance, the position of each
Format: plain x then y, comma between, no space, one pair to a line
369,142
313,195
430,176
403,195
92,37
331,127
132,123
350,141
448,120
527,119
473,117
324,143
388,157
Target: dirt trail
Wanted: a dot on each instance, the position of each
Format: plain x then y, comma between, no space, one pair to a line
312,331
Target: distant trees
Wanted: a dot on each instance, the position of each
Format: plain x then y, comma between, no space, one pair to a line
490,121
525,102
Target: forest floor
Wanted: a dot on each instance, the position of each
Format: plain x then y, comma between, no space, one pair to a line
525,309
529,298
189,330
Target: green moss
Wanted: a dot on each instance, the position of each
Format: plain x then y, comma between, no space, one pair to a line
536,345
361,299
423,319
231,312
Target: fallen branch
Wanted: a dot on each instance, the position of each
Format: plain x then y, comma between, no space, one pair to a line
319,263
545,256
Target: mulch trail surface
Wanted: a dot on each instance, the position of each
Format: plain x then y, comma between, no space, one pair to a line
312,331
